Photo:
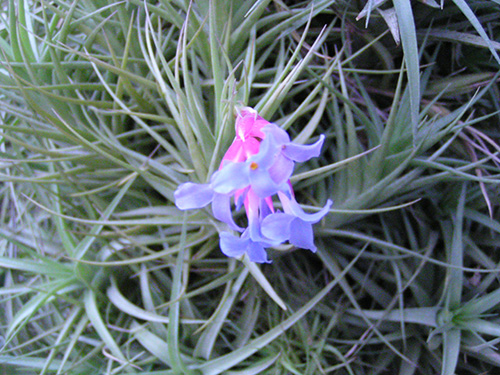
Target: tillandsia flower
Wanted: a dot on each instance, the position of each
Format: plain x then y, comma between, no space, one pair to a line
293,224
256,167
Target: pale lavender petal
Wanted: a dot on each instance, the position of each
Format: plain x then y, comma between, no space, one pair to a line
311,218
301,153
231,245
254,232
277,226
231,177
283,227
190,195
221,208
301,235
262,184
282,169
280,135
240,198
267,152
265,207
257,253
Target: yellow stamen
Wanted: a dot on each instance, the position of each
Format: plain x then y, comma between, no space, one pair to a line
254,166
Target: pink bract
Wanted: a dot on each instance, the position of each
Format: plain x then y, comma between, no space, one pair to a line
248,129
249,134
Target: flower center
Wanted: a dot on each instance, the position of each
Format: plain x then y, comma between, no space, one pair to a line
254,166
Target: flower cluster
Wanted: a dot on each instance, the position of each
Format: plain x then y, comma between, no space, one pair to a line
256,167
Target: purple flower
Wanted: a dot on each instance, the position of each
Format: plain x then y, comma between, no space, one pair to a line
234,246
254,173
189,196
293,225
251,241
256,167
290,152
